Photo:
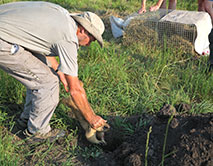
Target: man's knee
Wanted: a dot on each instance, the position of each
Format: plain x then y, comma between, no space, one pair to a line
53,87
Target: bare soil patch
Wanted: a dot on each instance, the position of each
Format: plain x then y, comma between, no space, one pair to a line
189,141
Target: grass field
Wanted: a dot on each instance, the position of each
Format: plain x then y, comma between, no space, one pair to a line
119,81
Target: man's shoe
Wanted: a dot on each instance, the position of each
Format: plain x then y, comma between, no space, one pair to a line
37,138
22,124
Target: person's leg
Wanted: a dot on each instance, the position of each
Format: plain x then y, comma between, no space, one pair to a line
38,78
163,5
172,4
201,5
27,107
211,48
28,101
208,5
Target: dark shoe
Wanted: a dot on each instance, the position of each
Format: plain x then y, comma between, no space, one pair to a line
19,127
37,138
22,124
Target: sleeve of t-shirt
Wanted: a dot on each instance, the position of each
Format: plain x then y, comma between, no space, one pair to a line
67,52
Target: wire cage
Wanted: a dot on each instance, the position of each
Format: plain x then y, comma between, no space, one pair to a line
150,29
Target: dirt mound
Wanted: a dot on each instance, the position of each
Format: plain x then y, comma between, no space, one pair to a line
167,139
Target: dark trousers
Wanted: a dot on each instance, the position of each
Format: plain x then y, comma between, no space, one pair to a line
211,48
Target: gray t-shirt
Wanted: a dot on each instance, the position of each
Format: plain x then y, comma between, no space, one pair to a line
43,28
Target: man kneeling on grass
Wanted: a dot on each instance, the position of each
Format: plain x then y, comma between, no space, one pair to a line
31,35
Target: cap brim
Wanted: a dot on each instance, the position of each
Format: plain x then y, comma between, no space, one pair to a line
89,27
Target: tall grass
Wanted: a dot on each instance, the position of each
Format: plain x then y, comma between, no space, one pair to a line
8,153
11,91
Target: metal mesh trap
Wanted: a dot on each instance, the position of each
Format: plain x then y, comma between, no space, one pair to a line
150,29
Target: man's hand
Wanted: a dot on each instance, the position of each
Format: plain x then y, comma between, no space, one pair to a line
96,122
63,80
79,97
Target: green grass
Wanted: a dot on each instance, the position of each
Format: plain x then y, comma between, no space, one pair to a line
119,81
8,153
165,139
11,90
147,146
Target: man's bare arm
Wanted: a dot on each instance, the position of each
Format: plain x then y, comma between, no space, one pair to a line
53,61
79,97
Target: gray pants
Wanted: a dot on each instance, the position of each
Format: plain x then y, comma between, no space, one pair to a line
41,82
